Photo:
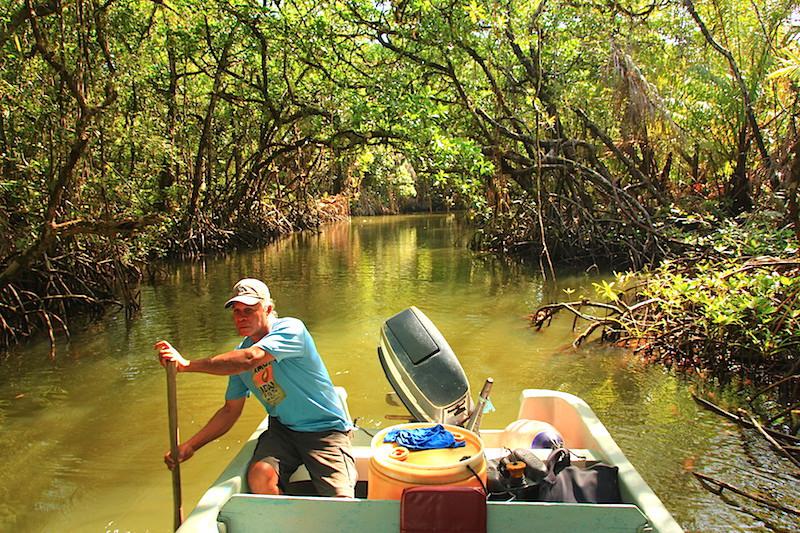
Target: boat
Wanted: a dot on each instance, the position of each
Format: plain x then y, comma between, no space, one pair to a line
410,348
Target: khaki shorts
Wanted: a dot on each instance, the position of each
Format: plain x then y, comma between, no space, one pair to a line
326,455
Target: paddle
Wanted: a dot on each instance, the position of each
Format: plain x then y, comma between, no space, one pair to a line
172,406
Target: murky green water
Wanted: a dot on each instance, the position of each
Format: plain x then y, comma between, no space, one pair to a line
82,437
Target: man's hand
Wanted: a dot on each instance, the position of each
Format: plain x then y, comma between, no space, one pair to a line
185,451
167,353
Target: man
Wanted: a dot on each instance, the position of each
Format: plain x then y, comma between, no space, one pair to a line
278,363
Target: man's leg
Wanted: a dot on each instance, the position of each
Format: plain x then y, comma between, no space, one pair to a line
329,460
274,460
262,478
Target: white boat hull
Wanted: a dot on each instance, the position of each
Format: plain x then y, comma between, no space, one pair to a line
226,507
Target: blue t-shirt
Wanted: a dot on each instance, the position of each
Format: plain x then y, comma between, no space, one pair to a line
295,387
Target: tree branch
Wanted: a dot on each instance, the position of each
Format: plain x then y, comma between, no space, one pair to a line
751,117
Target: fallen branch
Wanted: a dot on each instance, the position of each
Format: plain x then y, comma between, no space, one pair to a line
772,441
742,421
545,312
722,485
761,263
600,323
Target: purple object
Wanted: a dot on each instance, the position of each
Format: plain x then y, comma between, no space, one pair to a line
547,439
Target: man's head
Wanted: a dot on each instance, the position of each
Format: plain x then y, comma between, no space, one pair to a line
252,307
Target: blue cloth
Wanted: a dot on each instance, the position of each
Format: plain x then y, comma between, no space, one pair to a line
431,438
295,387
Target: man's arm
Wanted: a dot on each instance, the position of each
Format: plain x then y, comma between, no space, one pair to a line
218,425
224,364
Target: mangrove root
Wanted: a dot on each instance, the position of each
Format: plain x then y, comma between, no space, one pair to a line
706,480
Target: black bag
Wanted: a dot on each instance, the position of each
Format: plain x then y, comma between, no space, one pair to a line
598,483
535,469
500,485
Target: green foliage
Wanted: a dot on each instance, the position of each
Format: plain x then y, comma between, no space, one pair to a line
385,174
737,304
231,120
605,290
752,235
750,313
790,66
310,84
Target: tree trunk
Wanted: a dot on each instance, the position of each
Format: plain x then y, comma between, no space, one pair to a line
166,177
738,188
198,176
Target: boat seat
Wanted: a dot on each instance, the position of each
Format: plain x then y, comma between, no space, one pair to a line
430,509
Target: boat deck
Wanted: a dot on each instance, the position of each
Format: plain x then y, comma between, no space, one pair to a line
227,507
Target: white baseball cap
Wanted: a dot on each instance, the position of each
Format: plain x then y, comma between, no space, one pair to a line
249,292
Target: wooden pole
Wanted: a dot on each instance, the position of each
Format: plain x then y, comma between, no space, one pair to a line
172,406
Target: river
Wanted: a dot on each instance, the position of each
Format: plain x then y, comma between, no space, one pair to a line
83,436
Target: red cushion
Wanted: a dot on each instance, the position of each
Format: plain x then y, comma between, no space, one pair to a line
432,509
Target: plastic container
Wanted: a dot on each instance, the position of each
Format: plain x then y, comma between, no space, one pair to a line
392,470
525,433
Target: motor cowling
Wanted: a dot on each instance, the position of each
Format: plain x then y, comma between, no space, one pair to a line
423,369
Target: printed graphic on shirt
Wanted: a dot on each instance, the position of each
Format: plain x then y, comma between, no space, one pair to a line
262,374
264,380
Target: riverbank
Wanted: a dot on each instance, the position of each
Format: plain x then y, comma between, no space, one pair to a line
727,311
80,279
727,318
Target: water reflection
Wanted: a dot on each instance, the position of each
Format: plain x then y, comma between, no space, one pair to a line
83,436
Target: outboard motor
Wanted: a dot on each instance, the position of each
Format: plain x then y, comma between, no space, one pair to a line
423,370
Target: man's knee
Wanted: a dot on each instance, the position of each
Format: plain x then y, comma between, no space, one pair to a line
262,478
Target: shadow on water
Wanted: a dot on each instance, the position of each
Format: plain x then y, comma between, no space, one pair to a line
84,435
